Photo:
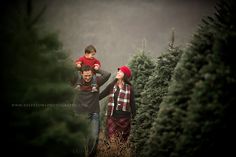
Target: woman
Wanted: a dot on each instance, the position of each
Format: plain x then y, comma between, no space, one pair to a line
121,104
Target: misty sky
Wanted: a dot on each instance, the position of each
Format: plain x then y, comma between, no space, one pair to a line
117,27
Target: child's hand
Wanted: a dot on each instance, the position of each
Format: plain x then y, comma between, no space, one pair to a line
78,65
96,66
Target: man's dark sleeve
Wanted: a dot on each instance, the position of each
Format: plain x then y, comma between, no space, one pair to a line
103,78
107,90
132,103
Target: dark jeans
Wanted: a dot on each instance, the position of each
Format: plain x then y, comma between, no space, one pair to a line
93,138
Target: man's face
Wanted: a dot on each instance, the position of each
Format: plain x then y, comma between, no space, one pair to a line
87,75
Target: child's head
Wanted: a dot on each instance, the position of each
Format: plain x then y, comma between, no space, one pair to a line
90,51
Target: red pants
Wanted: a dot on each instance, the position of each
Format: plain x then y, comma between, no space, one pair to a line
118,127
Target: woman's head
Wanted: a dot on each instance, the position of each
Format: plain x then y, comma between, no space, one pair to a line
124,73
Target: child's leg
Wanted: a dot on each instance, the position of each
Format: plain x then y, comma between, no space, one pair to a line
94,81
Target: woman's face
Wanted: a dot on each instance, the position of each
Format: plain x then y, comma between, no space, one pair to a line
120,75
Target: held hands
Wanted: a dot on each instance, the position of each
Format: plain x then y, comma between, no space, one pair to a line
96,66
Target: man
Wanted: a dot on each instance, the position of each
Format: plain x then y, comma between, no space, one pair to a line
87,102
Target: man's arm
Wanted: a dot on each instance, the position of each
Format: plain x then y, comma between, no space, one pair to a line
103,78
107,90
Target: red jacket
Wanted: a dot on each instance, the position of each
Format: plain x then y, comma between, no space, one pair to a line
87,61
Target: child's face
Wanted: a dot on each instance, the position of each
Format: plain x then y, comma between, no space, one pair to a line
90,55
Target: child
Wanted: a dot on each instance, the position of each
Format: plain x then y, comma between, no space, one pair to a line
88,59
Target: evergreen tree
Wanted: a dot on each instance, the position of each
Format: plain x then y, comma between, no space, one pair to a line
151,97
36,86
208,129
142,67
196,116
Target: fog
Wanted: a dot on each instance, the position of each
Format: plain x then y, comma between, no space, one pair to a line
118,27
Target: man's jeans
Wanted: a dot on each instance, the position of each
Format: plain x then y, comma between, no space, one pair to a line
94,128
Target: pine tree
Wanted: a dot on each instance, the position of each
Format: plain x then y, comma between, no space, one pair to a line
142,67
151,97
38,94
195,118
208,129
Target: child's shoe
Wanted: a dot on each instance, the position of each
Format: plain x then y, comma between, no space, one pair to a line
94,89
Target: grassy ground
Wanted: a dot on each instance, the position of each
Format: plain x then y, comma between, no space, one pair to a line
113,147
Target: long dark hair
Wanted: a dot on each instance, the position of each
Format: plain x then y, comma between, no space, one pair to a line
127,80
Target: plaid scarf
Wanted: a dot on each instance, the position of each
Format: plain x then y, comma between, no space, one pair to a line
123,100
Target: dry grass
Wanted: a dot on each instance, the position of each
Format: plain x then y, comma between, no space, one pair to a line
113,148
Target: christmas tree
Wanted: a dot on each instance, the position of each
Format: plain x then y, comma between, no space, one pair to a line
196,116
38,95
151,97
142,67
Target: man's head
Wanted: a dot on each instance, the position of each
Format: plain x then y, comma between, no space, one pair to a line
87,73
90,51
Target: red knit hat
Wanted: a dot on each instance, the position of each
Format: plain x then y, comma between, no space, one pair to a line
126,70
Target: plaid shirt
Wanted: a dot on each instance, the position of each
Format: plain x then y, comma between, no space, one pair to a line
123,100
